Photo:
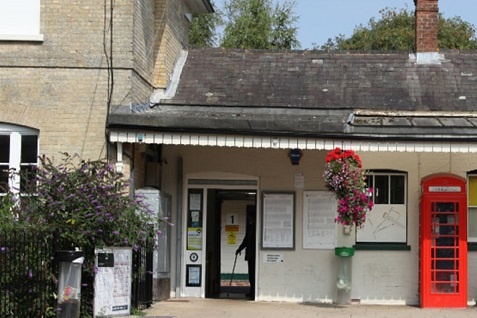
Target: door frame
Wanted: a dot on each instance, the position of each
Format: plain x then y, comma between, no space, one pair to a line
205,182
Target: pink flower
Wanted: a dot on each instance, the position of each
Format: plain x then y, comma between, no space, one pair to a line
343,176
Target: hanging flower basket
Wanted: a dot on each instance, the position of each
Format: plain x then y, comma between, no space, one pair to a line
345,177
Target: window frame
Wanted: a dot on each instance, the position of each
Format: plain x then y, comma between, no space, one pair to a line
400,242
15,150
20,20
472,240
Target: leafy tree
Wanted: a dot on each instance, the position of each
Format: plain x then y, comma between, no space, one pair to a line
284,34
203,29
396,31
257,24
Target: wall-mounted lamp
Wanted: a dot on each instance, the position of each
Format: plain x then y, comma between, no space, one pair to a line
295,156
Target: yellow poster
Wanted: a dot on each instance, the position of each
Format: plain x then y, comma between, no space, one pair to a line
232,238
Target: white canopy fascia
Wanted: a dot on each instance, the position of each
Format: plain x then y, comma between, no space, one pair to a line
281,142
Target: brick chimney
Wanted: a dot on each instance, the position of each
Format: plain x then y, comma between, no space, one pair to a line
427,15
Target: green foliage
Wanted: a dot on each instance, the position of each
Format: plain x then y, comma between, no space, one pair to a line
284,33
256,24
137,312
203,29
8,212
456,34
395,30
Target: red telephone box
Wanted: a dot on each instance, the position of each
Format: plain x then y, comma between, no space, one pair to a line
443,241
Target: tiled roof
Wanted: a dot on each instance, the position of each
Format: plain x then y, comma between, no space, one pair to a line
318,80
314,93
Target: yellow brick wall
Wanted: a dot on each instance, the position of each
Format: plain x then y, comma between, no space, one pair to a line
173,33
60,86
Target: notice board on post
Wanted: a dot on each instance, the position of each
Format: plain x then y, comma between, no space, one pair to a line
319,226
112,283
278,220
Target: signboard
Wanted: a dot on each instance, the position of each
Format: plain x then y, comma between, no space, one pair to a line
445,189
193,274
112,282
278,221
194,238
273,258
319,226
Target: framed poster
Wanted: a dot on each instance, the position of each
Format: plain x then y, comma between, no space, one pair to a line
193,275
278,220
319,226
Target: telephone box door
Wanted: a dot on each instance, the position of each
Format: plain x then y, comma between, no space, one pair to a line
443,272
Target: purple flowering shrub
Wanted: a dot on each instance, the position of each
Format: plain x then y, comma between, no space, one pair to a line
87,205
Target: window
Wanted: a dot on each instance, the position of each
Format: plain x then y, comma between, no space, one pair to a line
18,153
20,20
387,221
472,206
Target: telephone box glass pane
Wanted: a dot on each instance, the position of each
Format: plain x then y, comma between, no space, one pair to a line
445,243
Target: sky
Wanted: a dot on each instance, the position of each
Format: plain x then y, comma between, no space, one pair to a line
323,19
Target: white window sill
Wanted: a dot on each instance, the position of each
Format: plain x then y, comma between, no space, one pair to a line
22,37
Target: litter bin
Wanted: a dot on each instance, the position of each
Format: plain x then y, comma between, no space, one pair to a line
69,283
344,274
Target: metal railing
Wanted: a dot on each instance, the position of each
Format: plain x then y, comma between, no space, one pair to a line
28,271
26,287
141,296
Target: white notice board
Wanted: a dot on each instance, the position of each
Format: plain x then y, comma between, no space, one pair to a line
112,283
319,226
278,221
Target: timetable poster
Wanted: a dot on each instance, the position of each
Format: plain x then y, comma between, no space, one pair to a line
319,226
278,221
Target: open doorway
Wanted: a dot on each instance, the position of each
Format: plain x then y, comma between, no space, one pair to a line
228,213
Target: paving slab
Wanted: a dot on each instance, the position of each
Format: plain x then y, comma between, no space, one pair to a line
242,308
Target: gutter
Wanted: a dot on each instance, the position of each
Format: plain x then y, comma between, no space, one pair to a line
363,112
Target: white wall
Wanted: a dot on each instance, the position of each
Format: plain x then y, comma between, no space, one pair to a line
309,275
239,209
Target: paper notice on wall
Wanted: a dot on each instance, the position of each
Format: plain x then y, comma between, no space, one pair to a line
319,226
194,238
112,283
278,220
299,180
272,258
232,238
